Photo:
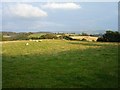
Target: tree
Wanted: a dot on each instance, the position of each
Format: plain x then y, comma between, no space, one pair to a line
84,34
83,39
67,38
110,36
48,36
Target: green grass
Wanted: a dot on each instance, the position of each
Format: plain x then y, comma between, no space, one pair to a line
60,64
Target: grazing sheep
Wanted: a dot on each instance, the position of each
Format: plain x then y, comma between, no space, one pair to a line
37,41
27,44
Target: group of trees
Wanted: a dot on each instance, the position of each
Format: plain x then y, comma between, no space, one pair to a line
110,36
48,36
10,36
44,36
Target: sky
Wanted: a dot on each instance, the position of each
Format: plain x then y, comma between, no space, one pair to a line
89,17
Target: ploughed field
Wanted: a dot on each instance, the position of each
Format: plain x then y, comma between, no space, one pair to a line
59,64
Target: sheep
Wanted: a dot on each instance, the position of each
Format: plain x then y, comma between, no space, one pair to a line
27,44
37,41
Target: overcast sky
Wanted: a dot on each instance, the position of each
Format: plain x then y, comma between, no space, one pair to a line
79,17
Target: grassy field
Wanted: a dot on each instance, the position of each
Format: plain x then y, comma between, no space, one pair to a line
60,64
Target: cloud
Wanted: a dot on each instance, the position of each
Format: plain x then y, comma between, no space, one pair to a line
65,6
26,10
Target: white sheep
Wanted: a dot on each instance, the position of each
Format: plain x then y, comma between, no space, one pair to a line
37,41
27,44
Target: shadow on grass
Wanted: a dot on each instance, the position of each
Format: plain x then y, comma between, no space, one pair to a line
87,43
69,69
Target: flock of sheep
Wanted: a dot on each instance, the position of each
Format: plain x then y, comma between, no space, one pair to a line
34,41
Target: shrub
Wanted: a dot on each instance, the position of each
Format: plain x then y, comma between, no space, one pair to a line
83,39
67,38
48,36
110,36
100,39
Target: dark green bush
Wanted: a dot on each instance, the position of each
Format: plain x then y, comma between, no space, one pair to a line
83,39
48,36
67,38
110,36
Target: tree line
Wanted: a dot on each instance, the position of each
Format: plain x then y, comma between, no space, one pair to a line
108,36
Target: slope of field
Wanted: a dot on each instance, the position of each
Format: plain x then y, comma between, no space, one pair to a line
60,64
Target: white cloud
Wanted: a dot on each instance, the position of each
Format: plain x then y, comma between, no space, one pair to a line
60,0
26,10
66,6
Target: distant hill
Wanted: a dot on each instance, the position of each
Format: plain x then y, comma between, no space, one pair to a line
36,35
